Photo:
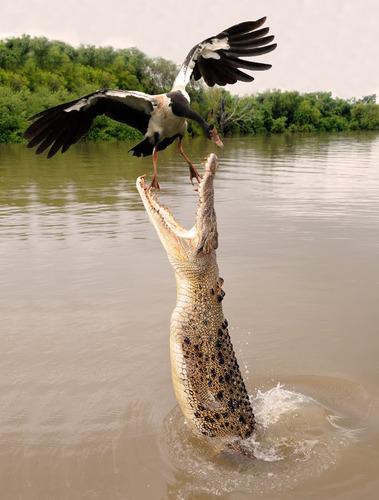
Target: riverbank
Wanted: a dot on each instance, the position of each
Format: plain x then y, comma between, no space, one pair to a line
37,73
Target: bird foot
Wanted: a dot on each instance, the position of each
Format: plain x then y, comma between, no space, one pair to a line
194,174
154,184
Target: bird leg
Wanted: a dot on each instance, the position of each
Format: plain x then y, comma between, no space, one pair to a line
194,174
154,181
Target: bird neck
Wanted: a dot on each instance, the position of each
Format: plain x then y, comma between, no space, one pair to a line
182,90
193,115
180,107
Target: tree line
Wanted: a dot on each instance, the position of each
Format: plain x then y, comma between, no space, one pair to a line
37,73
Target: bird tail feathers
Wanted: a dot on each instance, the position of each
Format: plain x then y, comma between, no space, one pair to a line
143,148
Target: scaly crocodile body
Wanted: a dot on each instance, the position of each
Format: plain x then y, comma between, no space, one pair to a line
207,380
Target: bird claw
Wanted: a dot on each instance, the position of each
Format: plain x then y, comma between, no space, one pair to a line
198,179
194,174
153,185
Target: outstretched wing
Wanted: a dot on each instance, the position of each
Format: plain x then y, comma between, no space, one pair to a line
63,125
217,59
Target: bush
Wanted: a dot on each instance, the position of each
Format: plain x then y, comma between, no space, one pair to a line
36,73
279,125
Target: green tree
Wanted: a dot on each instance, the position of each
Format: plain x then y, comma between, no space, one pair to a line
37,73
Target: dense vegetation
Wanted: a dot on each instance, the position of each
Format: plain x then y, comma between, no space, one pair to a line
36,73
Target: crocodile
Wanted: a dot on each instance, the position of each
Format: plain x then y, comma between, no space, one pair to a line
206,377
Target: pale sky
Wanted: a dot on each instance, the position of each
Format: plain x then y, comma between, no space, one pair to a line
322,44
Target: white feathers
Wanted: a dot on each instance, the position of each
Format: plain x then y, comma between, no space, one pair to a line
83,103
210,54
133,98
208,49
217,44
163,121
184,76
122,94
137,100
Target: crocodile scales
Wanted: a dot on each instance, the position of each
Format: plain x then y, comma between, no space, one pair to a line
207,380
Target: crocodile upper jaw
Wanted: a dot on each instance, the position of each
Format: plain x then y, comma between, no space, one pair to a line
180,243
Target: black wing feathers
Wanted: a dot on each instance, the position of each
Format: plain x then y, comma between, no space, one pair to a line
239,29
243,39
249,36
247,44
235,62
56,128
206,71
196,73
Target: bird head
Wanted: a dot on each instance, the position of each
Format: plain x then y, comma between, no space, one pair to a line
214,137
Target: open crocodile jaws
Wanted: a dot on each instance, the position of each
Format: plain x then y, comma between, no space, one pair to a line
207,380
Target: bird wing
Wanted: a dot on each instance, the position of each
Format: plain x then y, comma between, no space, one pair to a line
217,59
63,125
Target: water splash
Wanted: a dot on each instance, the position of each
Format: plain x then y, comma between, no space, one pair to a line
297,437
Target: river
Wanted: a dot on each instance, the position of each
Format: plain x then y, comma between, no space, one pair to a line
86,293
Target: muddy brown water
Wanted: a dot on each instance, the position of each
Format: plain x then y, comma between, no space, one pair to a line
87,409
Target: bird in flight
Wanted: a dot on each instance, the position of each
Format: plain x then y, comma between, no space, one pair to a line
161,118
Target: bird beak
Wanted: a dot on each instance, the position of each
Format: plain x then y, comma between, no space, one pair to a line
216,138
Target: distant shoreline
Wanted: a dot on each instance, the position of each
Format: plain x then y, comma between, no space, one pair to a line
36,73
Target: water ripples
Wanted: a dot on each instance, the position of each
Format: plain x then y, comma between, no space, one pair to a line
318,177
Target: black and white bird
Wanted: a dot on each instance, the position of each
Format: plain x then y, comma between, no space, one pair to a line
161,118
